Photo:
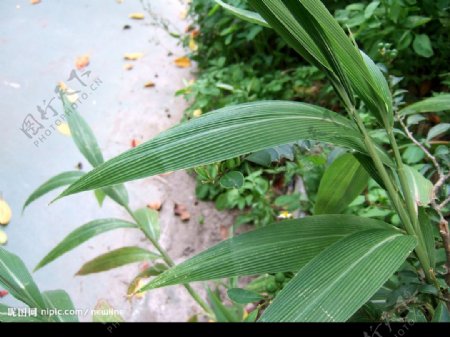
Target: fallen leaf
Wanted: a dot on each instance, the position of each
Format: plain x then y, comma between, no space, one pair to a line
3,238
135,142
3,293
82,61
128,66
35,2
64,129
5,213
224,233
183,62
181,211
133,56
136,16
156,205
183,14
149,84
192,44
195,33
197,112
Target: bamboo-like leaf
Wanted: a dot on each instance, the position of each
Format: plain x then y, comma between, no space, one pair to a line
369,166
428,236
60,300
81,235
310,29
341,183
16,279
244,14
286,246
441,313
117,258
433,104
438,130
155,270
421,188
148,221
338,281
62,179
224,134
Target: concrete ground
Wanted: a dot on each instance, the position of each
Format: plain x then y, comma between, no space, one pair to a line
39,45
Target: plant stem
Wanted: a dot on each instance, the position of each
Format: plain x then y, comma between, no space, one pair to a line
167,259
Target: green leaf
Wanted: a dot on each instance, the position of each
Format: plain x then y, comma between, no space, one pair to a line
422,45
62,179
100,196
338,281
225,134
370,9
82,134
233,179
341,183
16,279
118,193
116,258
421,188
281,247
244,14
310,29
59,299
148,221
441,313
105,313
438,130
243,296
427,232
222,313
433,104
81,235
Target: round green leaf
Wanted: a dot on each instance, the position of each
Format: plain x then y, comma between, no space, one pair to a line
422,45
233,179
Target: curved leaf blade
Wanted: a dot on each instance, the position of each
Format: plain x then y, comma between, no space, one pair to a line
62,179
148,221
16,279
433,104
81,235
244,14
341,183
117,258
338,281
281,247
60,300
225,134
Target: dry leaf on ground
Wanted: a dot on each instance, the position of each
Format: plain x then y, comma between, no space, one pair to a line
136,16
135,142
183,62
5,213
35,2
82,61
3,293
3,238
149,84
181,211
156,205
128,66
133,56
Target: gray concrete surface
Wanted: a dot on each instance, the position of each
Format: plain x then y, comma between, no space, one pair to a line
39,44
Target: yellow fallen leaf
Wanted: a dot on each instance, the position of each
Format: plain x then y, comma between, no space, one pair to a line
183,14
133,56
197,113
183,62
5,213
141,283
64,129
149,84
82,61
3,238
192,44
128,66
35,2
136,16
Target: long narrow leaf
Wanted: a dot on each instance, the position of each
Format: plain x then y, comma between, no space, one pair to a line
224,134
60,300
62,179
82,234
15,278
286,246
244,14
117,258
341,183
337,282
432,104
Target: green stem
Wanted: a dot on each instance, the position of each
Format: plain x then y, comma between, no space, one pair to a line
167,259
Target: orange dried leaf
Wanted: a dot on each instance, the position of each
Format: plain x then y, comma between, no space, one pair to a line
128,66
35,2
135,142
156,205
149,84
82,61
183,62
